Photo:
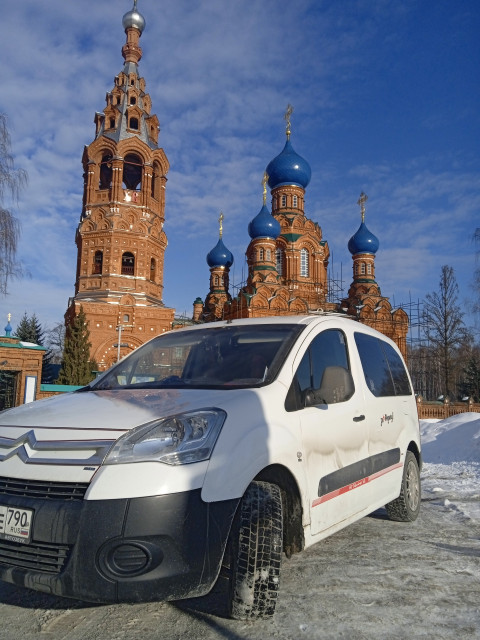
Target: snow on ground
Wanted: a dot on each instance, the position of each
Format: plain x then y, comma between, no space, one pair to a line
451,471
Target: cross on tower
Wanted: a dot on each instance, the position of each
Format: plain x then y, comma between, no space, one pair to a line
286,117
264,183
361,202
220,221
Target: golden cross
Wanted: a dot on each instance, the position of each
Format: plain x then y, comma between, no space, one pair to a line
286,117
264,182
220,220
361,202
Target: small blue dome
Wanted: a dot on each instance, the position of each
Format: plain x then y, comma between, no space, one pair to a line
264,225
288,168
219,256
363,241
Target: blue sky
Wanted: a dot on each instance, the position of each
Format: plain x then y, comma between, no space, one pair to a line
386,99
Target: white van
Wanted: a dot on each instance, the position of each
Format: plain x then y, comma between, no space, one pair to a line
203,456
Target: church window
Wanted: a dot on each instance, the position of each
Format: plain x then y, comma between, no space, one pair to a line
106,171
284,201
261,254
268,254
128,264
153,266
362,267
132,172
98,262
216,281
126,317
356,268
112,123
304,266
295,201
133,100
133,123
369,269
279,261
156,182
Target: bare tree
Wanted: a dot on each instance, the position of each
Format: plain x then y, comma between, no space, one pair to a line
12,180
444,326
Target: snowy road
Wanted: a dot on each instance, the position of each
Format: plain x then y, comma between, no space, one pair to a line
374,580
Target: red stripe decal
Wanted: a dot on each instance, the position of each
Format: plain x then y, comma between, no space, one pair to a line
355,485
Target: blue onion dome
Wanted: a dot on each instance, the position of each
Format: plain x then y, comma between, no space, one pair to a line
134,19
363,241
264,225
288,168
219,256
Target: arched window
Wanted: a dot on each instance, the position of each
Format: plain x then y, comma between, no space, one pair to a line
106,171
304,270
362,268
279,261
295,201
126,317
153,268
268,254
128,264
132,172
156,182
98,262
369,269
261,254
284,201
356,269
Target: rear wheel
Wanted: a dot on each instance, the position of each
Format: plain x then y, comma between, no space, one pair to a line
254,552
407,506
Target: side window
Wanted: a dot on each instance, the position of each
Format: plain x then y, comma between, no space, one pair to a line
383,368
323,375
397,369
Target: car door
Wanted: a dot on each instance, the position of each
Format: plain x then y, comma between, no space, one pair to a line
332,419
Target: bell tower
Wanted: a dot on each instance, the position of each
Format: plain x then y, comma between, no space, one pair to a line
120,238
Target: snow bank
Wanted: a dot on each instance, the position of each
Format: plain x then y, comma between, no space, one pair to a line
451,471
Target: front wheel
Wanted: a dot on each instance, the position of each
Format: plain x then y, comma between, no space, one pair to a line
254,552
407,506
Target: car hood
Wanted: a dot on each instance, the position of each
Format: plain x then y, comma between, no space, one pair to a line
117,410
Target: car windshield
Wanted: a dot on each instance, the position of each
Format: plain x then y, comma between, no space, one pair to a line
227,356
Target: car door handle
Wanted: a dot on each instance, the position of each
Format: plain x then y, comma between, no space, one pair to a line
359,418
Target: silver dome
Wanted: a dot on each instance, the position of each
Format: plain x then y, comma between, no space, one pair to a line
134,19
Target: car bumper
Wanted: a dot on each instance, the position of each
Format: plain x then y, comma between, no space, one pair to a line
165,547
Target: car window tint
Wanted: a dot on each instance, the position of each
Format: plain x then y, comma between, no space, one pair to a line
397,369
375,365
327,350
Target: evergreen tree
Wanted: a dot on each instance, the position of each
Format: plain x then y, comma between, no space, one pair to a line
471,382
24,330
77,366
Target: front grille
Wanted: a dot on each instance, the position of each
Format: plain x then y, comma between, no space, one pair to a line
43,489
43,556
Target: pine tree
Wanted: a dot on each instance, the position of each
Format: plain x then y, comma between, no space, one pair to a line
471,383
77,366
24,330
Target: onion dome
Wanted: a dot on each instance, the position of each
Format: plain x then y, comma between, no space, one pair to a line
219,256
8,327
288,168
264,225
133,19
363,241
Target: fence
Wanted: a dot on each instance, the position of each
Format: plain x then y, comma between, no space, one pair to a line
446,409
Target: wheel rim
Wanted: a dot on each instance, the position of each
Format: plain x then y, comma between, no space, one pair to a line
412,486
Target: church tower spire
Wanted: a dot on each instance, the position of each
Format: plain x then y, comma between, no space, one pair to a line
120,238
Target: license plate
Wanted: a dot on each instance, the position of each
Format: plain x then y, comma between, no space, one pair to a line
15,524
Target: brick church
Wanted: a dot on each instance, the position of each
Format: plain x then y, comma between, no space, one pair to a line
121,242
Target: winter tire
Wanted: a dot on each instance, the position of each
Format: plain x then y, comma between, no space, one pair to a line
407,506
255,549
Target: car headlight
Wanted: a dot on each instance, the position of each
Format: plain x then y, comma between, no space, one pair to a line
179,439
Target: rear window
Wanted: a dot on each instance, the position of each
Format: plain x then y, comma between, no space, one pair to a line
383,368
